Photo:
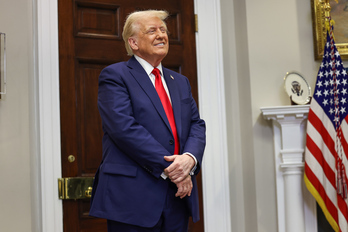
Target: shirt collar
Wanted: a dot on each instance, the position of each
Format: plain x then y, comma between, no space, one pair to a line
148,67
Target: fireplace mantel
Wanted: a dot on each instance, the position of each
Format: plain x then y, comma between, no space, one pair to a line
295,206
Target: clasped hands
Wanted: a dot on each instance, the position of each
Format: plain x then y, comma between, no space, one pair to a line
178,173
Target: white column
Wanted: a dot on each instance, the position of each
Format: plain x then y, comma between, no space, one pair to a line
293,175
296,207
215,175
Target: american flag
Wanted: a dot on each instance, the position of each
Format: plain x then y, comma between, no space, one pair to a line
327,133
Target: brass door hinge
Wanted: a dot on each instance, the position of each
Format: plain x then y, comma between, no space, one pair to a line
196,23
72,188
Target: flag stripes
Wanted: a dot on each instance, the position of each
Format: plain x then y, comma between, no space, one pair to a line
326,151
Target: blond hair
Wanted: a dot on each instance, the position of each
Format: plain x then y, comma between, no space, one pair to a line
131,25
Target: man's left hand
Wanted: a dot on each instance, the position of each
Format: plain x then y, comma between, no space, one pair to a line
180,168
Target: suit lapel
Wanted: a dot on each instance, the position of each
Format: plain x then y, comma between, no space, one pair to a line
139,74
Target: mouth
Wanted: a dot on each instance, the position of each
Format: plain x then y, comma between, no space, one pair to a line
159,44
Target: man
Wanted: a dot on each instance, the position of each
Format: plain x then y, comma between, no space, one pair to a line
153,136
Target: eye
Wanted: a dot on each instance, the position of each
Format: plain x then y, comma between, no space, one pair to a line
151,31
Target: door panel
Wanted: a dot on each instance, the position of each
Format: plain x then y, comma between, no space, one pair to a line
90,38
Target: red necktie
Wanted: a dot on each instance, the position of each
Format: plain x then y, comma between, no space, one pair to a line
167,107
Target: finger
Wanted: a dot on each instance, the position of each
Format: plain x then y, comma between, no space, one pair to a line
179,193
181,175
176,180
172,168
169,158
189,194
185,193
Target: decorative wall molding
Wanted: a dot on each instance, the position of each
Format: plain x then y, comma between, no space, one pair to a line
296,207
47,77
215,175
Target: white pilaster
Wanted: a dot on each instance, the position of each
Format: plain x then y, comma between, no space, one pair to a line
296,207
47,78
215,175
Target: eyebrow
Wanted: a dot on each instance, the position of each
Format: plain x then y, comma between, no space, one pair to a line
155,27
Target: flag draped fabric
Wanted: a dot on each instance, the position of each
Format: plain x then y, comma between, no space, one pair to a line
326,151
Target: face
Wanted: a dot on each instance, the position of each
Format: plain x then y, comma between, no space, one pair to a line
151,41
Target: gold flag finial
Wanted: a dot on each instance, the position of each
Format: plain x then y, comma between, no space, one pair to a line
327,9
328,20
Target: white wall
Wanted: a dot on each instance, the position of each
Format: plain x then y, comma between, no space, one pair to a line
262,41
15,190
280,40
238,114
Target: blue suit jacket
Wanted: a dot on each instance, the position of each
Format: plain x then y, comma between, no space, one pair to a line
137,135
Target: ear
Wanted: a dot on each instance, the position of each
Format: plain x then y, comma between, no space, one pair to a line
133,43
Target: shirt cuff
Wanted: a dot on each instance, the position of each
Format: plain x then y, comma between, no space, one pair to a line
164,176
192,172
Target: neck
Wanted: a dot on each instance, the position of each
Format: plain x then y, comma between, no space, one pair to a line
153,61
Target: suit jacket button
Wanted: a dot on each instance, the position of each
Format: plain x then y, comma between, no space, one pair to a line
171,142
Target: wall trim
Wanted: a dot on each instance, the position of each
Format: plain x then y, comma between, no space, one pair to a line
215,175
212,107
47,78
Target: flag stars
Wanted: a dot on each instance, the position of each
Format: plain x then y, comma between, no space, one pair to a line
338,73
325,102
331,90
337,54
344,82
318,93
344,72
319,84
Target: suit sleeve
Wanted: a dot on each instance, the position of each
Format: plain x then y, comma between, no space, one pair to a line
196,140
119,124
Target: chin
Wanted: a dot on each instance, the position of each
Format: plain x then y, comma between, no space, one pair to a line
161,54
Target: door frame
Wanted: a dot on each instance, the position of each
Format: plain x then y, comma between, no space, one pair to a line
46,163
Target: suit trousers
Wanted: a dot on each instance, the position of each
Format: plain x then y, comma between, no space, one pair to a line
174,217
